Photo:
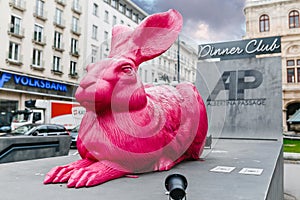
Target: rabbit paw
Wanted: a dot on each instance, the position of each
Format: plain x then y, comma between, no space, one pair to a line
62,174
84,173
94,174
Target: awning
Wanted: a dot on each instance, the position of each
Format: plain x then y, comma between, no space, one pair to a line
295,118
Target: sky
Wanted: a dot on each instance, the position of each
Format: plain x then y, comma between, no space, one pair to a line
205,21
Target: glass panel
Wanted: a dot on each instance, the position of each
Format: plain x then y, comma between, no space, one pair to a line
291,75
298,73
290,62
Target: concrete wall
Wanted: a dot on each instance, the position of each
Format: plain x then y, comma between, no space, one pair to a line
32,147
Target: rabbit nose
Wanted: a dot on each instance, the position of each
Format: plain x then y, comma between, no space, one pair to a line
86,82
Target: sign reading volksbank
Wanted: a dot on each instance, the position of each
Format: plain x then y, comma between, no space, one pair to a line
18,82
32,82
240,49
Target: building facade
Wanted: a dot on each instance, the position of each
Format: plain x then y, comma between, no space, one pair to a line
40,51
266,18
46,46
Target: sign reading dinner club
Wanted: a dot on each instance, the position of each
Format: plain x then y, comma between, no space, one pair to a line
240,49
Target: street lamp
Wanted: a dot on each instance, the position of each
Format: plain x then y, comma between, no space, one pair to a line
178,60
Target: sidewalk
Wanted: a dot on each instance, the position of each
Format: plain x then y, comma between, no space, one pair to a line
291,162
291,177
294,157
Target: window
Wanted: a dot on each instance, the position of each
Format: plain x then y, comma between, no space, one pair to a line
94,32
75,24
57,40
37,116
290,75
128,12
121,8
58,16
294,19
39,8
293,71
290,62
95,9
15,25
73,68
106,16
13,53
36,57
114,3
74,46
122,22
56,64
140,20
264,23
105,35
76,4
298,74
17,3
135,17
114,22
94,55
38,33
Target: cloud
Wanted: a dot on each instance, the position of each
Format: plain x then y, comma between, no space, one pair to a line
205,20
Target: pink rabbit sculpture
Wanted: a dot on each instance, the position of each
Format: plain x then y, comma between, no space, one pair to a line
130,128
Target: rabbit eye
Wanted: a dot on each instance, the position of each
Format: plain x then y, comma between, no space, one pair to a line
127,70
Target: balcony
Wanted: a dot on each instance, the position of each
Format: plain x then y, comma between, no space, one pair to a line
76,30
57,71
61,2
18,4
16,62
77,9
59,48
38,67
40,14
59,23
39,40
75,53
73,75
15,31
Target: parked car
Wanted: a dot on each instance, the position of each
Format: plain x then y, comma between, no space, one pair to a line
40,130
74,134
4,129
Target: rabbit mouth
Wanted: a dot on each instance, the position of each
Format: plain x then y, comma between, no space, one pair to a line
92,98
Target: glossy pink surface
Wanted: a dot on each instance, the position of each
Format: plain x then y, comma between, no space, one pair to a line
129,128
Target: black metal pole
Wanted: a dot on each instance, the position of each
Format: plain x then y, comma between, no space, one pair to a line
178,60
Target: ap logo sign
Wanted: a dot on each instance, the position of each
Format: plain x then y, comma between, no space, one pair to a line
243,96
236,83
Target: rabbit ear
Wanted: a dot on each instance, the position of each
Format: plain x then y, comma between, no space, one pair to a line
120,39
151,38
156,34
